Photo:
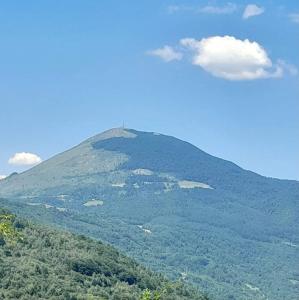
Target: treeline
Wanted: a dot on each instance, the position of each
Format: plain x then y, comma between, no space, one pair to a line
41,263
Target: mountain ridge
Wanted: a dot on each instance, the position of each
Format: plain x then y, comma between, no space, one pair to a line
117,132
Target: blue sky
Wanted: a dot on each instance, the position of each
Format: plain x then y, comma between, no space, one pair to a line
71,69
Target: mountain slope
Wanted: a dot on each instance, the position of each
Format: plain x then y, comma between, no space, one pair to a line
173,207
50,264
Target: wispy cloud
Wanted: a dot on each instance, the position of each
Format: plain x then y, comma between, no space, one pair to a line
252,10
171,9
294,17
166,53
228,8
289,68
24,159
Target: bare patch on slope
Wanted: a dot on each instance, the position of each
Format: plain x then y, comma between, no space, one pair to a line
186,184
144,172
93,202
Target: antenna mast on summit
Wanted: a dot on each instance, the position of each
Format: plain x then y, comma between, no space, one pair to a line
123,124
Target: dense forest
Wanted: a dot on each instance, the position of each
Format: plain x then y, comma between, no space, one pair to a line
230,232
37,262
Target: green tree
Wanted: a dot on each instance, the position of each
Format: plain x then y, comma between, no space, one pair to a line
157,295
146,295
7,230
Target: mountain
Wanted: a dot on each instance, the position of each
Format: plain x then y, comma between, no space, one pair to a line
41,263
172,207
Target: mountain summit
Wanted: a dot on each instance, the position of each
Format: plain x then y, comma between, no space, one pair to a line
174,208
117,154
113,156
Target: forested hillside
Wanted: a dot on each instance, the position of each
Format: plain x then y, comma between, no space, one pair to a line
41,263
172,207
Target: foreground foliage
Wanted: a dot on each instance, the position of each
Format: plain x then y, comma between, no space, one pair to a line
7,229
49,264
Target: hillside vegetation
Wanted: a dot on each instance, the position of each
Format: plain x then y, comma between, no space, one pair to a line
41,263
172,207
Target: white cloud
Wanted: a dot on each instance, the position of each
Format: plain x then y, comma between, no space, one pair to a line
252,10
166,53
25,159
231,58
2,177
294,17
229,8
